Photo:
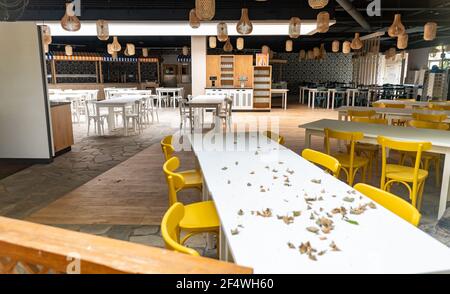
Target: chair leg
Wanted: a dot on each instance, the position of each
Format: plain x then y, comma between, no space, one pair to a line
420,195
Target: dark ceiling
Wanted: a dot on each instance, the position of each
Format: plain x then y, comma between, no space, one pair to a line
415,13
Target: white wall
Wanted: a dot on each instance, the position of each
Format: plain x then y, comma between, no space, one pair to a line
23,105
198,53
418,58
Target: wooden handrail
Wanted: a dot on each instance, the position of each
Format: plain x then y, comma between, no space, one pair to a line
36,248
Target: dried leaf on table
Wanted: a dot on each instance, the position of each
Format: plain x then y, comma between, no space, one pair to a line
229,182
274,171
372,205
234,232
309,207
334,247
353,222
323,191
290,171
312,256
236,163
322,252
305,247
275,177
265,213
280,162
312,217
323,238
241,226
290,245
359,210
310,199
249,184
316,181
297,213
224,168
314,230
252,173
349,199
240,212
287,219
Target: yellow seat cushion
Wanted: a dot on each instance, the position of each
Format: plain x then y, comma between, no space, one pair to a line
201,216
344,160
193,178
404,173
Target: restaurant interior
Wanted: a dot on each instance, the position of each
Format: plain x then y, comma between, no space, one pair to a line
224,136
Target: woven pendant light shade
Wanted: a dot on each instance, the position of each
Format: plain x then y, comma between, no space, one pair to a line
302,55
397,28
310,55
145,52
228,47
323,22
295,25
116,45
356,42
244,26
205,9
402,41
240,43
70,22
109,48
222,32
130,50
265,49
102,30
429,31
69,50
46,35
185,50
335,46
194,21
212,42
289,45
317,4
346,47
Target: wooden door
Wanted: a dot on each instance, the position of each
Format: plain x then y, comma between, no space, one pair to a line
243,67
212,69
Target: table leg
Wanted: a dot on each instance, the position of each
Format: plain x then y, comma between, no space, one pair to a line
328,100
445,190
191,119
125,122
307,138
347,96
285,100
300,96
223,246
111,119
353,98
99,127
332,100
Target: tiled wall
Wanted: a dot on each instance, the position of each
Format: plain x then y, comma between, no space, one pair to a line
336,68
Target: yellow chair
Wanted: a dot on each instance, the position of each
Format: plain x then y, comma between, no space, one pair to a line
439,106
428,157
170,229
330,163
429,117
371,151
391,202
358,113
167,147
394,105
378,105
200,217
396,173
275,137
350,163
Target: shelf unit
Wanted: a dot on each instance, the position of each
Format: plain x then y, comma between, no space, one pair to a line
227,70
262,87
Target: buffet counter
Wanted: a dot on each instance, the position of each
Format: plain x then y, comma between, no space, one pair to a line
62,129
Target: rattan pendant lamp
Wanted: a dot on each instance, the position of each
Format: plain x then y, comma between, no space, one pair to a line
102,29
194,21
317,4
222,32
397,28
205,9
244,26
70,21
295,25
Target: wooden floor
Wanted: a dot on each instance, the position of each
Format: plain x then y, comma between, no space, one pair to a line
135,191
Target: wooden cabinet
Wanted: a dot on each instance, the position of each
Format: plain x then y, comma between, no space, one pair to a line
212,69
243,67
62,127
263,87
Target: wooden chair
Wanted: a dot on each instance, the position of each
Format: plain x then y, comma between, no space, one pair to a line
391,202
330,163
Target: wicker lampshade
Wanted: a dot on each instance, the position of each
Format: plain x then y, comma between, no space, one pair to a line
402,41
323,22
102,30
310,55
185,50
244,26
317,4
397,28
212,42
205,9
289,45
194,21
130,50
316,52
265,49
335,46
69,50
222,32
116,45
429,31
228,47
70,21
46,35
295,25
240,43
302,55
356,42
346,47
109,48
145,52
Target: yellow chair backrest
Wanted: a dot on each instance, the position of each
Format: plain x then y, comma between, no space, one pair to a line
391,202
324,160
175,181
394,105
428,125
406,99
429,117
167,147
170,229
378,105
275,137
379,121
439,106
357,113
351,137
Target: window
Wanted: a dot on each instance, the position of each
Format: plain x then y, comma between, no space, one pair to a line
437,58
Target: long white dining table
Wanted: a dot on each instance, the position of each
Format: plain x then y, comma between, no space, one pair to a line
270,202
410,103
117,103
388,112
439,139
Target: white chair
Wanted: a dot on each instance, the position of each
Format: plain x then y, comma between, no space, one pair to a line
97,118
163,98
134,115
226,111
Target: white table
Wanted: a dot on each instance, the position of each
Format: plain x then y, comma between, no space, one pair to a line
302,91
312,96
203,102
332,96
410,103
439,139
174,91
352,93
117,103
389,112
284,94
381,243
